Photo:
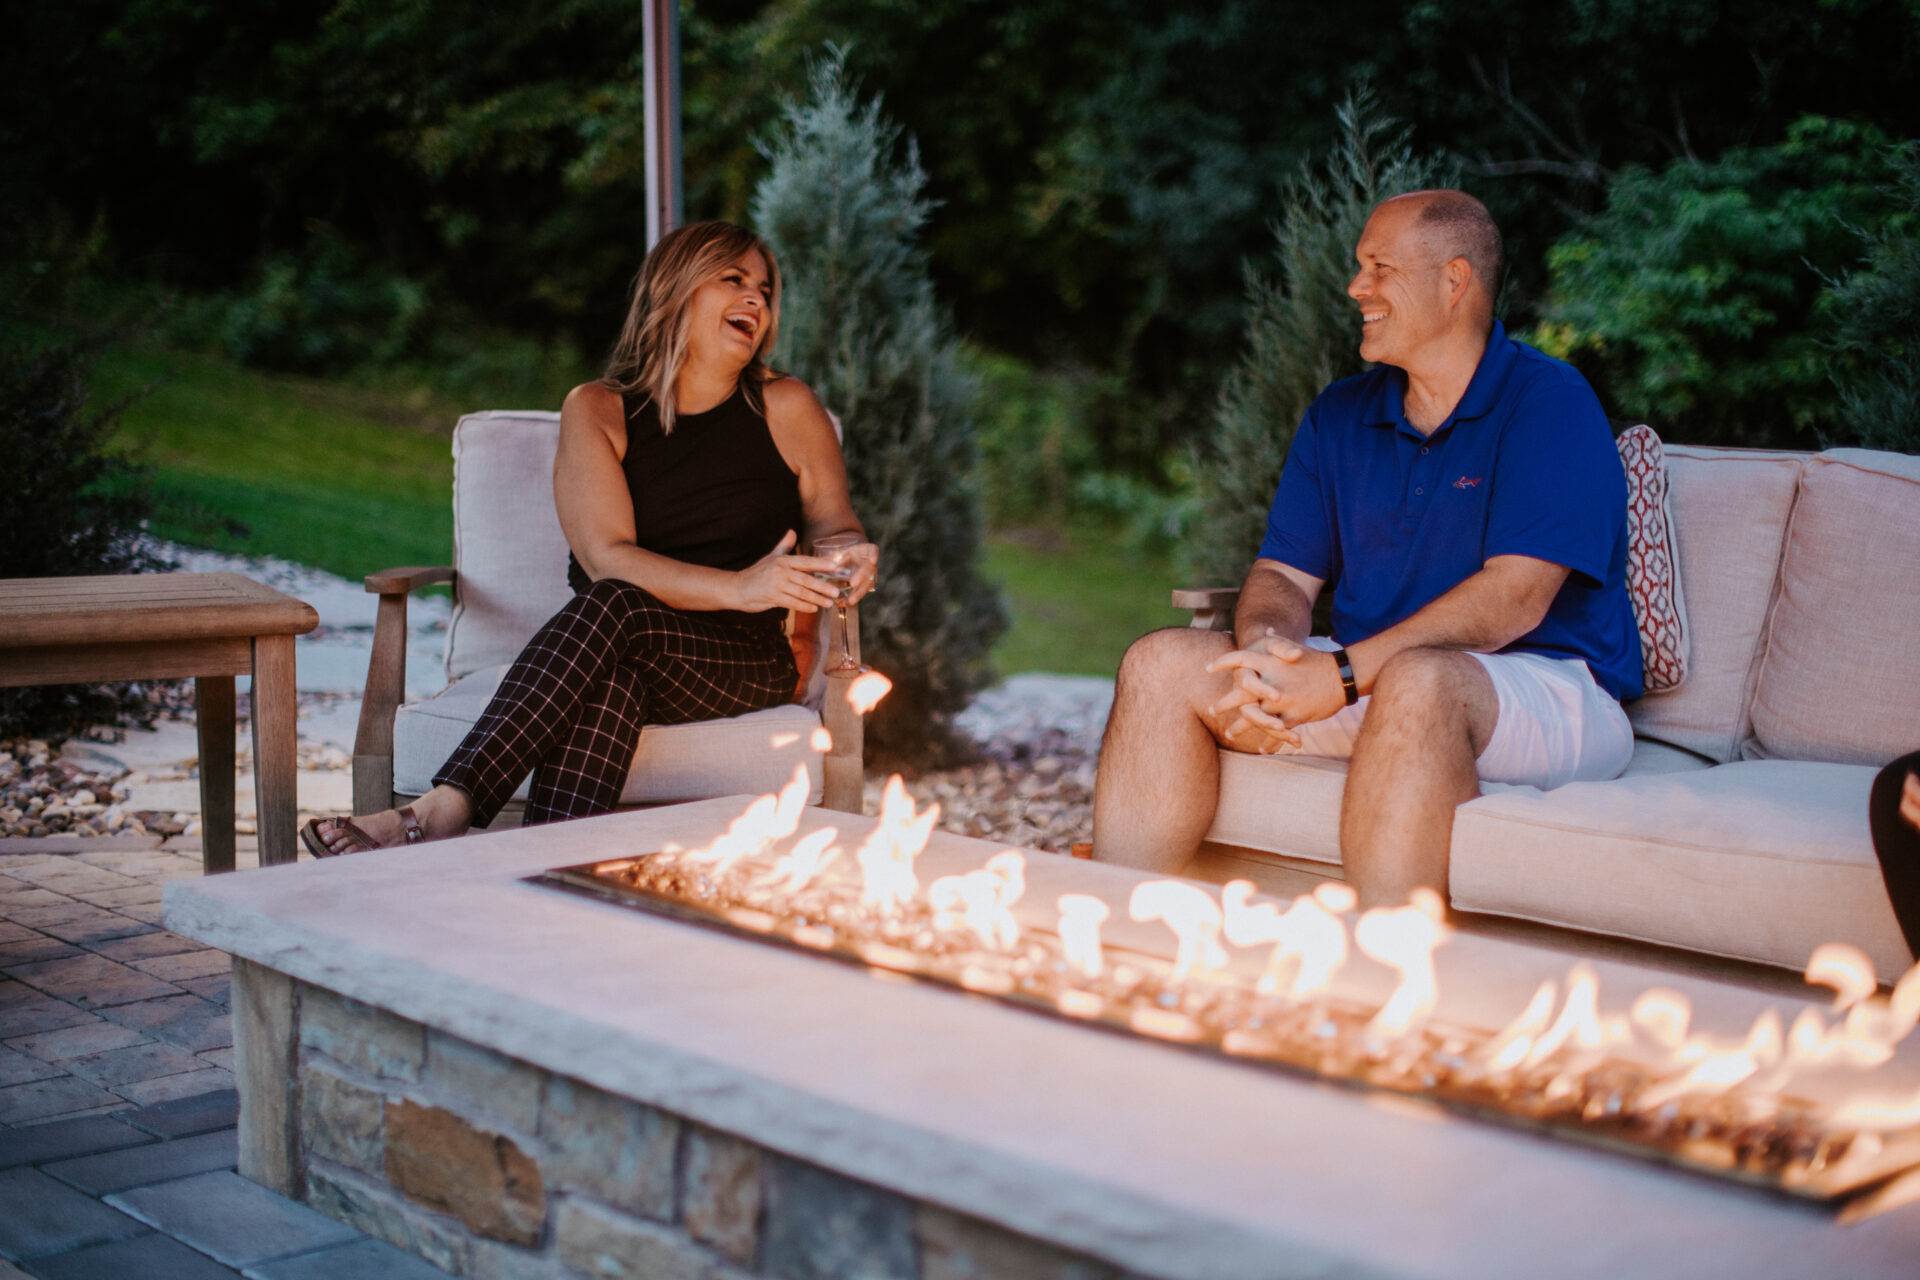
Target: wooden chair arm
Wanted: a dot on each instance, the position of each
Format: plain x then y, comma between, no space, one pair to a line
1212,606
386,683
409,578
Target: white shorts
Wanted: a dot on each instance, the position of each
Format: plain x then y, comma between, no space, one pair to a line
1557,725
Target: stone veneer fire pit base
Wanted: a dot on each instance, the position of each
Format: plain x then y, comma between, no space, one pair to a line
489,1167
512,1081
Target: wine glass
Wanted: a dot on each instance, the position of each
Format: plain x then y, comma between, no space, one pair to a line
843,549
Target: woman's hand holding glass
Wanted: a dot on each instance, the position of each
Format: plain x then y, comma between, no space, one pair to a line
854,566
782,580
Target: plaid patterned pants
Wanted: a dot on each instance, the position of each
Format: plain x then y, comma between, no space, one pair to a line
572,706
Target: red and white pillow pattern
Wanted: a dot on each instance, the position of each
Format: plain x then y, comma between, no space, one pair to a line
1653,561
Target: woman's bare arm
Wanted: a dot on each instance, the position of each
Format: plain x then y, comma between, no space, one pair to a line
596,515
804,434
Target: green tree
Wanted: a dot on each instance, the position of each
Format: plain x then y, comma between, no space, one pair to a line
1689,301
70,505
843,209
1302,333
1873,325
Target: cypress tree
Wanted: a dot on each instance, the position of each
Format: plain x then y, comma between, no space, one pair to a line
842,207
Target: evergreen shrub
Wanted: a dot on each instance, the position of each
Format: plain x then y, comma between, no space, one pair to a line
1303,332
842,205
1873,317
71,505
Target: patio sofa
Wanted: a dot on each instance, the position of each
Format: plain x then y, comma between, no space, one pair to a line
1740,827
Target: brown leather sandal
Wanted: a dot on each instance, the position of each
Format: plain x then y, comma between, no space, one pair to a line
411,833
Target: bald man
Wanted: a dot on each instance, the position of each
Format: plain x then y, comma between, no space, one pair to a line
1465,501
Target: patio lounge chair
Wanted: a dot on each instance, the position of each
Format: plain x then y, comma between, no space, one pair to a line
508,577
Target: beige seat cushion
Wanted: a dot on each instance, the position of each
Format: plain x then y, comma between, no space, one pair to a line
1840,680
1730,509
1757,860
751,754
1290,805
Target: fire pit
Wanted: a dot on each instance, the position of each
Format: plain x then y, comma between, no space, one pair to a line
510,1080
1779,1108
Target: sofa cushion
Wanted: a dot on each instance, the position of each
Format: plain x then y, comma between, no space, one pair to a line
1757,860
1730,509
1291,804
1653,563
507,544
750,754
1840,675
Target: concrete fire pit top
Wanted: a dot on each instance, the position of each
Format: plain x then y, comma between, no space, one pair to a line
1163,1161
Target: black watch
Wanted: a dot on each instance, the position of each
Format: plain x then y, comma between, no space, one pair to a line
1347,685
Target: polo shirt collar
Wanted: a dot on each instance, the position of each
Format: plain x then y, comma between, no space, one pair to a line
1388,407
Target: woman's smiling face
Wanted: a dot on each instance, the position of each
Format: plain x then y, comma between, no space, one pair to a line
727,316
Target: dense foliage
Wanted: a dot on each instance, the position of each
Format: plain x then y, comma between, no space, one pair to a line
842,207
1300,334
70,505
1873,325
1689,301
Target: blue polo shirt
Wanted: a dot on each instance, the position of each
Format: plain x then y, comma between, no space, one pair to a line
1525,466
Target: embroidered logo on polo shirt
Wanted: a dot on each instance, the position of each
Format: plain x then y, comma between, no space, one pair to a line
1466,482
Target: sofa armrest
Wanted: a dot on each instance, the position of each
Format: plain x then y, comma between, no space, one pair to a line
386,683
1212,606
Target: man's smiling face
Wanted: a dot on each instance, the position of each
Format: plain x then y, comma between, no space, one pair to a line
1401,286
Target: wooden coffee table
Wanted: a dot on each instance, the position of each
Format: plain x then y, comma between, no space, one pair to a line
155,626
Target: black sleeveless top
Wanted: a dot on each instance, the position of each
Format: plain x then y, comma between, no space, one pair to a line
716,492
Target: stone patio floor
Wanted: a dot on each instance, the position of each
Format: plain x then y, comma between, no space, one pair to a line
117,1106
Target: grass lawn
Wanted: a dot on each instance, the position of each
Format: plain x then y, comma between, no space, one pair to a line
351,480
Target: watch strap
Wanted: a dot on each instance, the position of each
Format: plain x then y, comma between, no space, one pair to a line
1347,684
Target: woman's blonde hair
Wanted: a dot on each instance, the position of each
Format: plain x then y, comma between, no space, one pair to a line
653,342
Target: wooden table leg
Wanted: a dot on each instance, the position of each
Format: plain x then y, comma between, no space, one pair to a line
275,777
213,718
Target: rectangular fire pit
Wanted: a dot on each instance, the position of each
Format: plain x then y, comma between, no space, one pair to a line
758,1109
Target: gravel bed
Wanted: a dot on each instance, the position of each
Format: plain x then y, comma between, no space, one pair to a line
1032,787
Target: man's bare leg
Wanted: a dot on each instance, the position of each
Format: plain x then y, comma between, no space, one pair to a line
1159,776
1432,713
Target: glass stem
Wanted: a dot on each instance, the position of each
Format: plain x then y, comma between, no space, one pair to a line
846,641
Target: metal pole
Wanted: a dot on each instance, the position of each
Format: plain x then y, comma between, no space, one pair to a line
660,33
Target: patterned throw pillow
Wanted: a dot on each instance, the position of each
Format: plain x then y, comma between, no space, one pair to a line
1653,561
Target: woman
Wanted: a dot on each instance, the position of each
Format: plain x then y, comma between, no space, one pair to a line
685,479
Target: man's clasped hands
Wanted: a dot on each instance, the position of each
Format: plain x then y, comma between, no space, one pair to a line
1277,684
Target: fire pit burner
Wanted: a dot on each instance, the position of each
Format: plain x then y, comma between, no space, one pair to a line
1638,1083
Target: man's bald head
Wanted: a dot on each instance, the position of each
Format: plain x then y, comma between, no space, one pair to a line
1455,225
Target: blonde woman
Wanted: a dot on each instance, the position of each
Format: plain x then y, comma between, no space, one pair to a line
686,478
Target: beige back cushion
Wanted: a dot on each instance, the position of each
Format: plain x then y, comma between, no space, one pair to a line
507,545
1840,680
1730,509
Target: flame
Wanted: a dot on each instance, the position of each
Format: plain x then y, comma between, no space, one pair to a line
780,740
821,741
886,858
1664,1015
865,691
1879,1114
1313,944
1404,939
1579,1019
810,855
1081,915
1846,969
1511,1046
1717,1069
1337,898
766,820
979,900
1194,917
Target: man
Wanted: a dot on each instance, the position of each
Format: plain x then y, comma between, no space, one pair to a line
1465,500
